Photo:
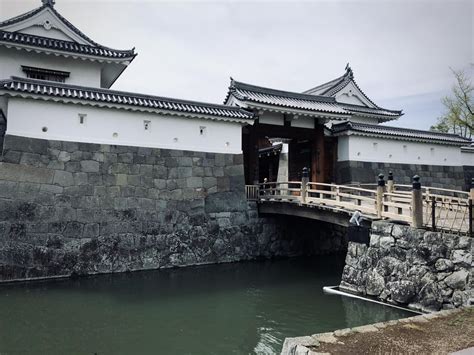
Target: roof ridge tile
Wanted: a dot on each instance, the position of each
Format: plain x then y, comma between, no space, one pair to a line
400,131
62,45
68,24
43,87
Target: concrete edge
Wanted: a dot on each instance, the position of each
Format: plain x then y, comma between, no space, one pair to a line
300,345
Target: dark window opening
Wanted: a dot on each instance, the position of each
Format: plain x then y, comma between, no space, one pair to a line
46,74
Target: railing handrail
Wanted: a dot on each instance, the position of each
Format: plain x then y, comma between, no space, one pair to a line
340,187
430,188
393,201
278,183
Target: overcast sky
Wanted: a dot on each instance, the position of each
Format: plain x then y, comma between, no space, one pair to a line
400,51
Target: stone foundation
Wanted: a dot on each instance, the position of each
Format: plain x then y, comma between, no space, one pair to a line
73,208
449,177
424,270
3,127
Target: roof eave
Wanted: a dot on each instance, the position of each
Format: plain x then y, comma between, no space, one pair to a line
85,102
308,113
380,118
67,54
237,85
354,132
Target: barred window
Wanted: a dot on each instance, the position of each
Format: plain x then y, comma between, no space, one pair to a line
45,74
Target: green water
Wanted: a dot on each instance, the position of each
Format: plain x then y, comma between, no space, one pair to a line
240,308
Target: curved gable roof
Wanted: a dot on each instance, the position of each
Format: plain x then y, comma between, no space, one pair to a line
48,6
285,99
254,95
332,87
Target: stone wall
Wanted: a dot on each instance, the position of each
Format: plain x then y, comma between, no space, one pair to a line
450,177
468,176
3,128
402,265
72,208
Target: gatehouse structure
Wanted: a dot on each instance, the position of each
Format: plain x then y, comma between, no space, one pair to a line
95,180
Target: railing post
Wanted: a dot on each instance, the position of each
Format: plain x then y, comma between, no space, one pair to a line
433,213
390,183
471,211
471,191
304,184
417,204
380,191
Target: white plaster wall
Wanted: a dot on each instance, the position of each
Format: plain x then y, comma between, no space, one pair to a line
303,122
273,118
52,33
350,94
28,117
467,157
83,72
370,149
368,120
35,26
343,148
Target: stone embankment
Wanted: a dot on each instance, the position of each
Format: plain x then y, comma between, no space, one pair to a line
420,269
77,208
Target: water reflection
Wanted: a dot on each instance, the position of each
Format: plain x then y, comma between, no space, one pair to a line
220,309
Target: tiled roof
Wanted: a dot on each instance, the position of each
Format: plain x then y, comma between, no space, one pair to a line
361,110
398,133
293,100
334,86
60,45
285,99
93,49
110,97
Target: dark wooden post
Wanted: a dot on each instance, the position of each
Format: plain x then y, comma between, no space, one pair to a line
433,213
417,204
318,155
471,212
304,184
379,197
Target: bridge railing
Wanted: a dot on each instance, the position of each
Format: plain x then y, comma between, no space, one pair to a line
397,206
287,191
355,198
448,214
428,207
251,192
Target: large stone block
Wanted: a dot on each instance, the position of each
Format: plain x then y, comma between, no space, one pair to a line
194,182
225,201
402,291
24,144
11,156
375,284
184,172
90,166
15,172
457,280
63,178
235,170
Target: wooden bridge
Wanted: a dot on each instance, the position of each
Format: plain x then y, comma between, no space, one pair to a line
422,207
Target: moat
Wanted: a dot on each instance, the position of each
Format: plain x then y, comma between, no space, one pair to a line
238,308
